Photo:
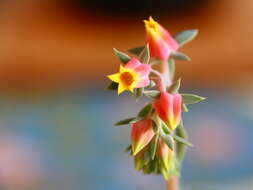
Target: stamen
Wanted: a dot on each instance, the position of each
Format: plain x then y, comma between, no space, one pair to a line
127,78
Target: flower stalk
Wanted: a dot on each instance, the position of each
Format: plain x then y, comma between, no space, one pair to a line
173,182
158,137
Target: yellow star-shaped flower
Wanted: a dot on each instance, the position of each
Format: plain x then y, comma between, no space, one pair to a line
127,79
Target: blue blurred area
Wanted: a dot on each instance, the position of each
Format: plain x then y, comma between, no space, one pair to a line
71,141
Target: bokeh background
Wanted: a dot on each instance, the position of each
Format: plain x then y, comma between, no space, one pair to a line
56,119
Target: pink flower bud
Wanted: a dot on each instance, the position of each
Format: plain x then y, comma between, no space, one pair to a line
160,42
166,155
142,133
132,75
168,107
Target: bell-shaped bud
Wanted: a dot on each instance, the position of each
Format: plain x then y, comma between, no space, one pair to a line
161,43
139,160
168,107
166,155
142,133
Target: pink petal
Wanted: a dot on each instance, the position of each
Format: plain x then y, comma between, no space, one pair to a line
177,102
168,38
141,134
159,48
143,70
143,83
164,106
133,63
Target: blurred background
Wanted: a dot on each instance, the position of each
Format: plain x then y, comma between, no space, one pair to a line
56,119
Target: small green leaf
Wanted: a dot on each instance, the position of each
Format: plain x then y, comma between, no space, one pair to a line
147,169
180,56
182,140
192,98
153,146
129,148
136,50
184,108
166,129
185,36
145,55
152,94
113,86
147,158
138,162
125,121
181,148
168,139
154,62
151,84
124,58
175,86
145,111
172,68
136,120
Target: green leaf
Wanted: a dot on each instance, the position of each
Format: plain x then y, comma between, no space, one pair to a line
175,86
145,111
113,86
136,120
125,121
185,36
147,169
154,62
184,108
181,148
151,84
172,68
168,139
191,98
136,50
153,146
180,56
182,140
152,94
166,129
124,58
129,148
145,55
147,158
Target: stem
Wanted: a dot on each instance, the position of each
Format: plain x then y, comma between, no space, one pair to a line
173,183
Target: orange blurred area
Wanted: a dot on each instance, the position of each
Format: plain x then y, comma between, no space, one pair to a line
45,44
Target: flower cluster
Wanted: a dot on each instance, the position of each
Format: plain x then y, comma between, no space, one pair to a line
158,137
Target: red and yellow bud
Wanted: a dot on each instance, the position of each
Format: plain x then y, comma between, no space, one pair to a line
139,160
166,155
133,75
160,42
168,107
142,133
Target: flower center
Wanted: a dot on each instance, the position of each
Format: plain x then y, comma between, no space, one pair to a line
152,26
127,78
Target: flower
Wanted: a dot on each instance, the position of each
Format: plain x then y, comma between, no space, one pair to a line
168,107
161,43
133,75
142,133
166,155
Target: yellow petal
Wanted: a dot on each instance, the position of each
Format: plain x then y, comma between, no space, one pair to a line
115,77
122,69
151,19
121,88
131,88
